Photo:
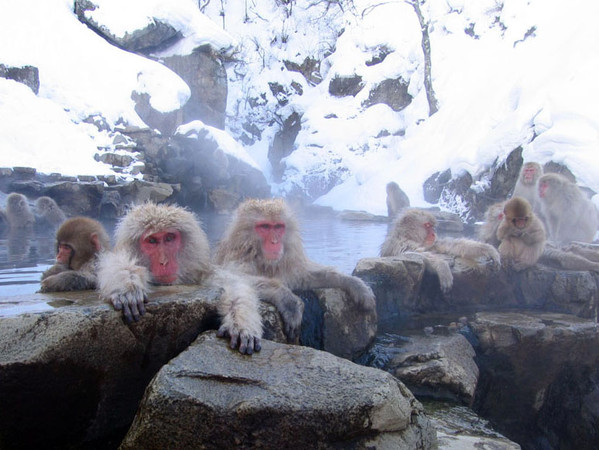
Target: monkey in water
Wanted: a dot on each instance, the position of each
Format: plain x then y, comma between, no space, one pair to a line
264,241
79,241
163,245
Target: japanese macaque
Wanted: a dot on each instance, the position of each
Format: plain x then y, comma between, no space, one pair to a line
526,186
488,230
48,211
397,200
263,240
162,245
414,231
18,213
79,241
521,234
569,214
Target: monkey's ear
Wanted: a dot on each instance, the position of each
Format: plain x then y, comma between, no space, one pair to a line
95,241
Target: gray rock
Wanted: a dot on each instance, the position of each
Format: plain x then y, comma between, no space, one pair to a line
440,367
539,378
27,75
283,397
392,92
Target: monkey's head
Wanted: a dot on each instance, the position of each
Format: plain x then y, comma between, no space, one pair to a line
16,203
168,240
43,205
264,234
531,171
78,240
549,182
418,226
518,212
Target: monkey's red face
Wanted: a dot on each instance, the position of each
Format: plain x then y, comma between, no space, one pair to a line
529,174
271,234
431,236
520,222
162,249
64,253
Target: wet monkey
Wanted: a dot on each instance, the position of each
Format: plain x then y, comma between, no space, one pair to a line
79,241
18,213
414,231
488,230
164,244
521,234
264,241
568,213
47,210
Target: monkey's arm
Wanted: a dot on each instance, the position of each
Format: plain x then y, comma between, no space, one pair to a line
466,248
565,260
238,308
124,283
319,277
289,305
68,280
436,263
56,268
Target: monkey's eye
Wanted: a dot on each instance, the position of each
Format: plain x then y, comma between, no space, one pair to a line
264,226
279,226
152,240
170,237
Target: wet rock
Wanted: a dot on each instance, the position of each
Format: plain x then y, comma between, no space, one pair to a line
283,143
76,198
460,428
403,288
539,374
283,397
440,367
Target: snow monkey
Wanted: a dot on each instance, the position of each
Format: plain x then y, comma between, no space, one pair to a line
18,213
78,243
397,200
526,186
569,214
164,244
414,231
521,234
488,230
47,209
263,240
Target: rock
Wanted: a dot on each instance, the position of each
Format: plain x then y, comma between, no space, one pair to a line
539,378
403,288
27,75
345,86
392,92
76,198
439,367
283,397
204,73
283,143
72,372
459,428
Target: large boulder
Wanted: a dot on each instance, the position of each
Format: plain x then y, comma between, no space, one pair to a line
403,288
72,372
283,397
539,378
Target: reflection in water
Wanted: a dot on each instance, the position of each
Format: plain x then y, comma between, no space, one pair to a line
25,255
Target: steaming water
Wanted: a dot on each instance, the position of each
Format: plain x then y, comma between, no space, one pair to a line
333,242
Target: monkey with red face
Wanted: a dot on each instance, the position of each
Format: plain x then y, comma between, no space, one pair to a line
414,231
263,240
164,244
79,241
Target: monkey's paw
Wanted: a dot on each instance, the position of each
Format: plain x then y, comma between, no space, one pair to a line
131,303
243,340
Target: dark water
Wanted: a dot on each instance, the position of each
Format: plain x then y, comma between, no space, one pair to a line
25,255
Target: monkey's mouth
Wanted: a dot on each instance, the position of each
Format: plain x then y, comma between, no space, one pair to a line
161,280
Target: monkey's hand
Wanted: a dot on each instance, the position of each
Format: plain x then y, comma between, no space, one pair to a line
124,283
361,294
69,280
244,340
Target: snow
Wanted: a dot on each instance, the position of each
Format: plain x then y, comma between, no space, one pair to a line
528,77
